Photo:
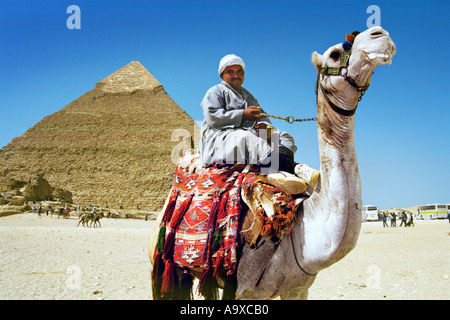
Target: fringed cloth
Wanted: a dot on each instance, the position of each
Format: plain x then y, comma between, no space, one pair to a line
201,225
272,211
200,228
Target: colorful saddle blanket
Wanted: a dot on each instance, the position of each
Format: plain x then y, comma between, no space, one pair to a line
212,218
202,221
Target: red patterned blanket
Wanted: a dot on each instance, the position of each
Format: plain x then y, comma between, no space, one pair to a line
200,227
213,215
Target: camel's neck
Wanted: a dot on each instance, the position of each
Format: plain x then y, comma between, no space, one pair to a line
340,180
332,215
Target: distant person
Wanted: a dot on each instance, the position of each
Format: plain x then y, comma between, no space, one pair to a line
404,218
49,209
411,221
92,213
384,218
393,220
448,217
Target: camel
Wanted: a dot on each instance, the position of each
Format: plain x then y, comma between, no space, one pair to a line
329,221
94,218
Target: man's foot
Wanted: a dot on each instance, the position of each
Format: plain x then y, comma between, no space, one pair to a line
307,173
287,182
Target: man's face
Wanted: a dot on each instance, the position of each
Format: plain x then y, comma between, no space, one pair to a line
234,76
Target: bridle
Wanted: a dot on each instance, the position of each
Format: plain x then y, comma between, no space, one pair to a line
333,71
337,71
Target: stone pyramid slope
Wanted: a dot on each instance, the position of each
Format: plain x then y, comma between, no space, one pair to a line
111,145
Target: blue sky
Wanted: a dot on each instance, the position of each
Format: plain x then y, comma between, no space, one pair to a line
402,127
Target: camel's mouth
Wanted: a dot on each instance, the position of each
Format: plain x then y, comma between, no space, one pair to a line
380,57
380,49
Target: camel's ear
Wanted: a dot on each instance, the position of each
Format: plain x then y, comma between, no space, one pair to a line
316,59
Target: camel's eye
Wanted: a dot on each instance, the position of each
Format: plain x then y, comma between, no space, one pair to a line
335,55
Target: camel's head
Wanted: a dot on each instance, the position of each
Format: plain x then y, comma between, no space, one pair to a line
356,58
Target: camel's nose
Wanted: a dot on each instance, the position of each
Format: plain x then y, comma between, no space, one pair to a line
378,32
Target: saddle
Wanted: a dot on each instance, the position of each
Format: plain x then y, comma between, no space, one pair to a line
211,213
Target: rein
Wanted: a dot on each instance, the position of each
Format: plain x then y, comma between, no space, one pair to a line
295,254
289,119
335,107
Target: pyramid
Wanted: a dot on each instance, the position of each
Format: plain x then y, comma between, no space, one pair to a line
111,145
130,78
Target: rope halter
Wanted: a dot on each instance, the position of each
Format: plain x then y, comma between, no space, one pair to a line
337,71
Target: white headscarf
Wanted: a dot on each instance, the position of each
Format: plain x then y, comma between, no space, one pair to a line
230,60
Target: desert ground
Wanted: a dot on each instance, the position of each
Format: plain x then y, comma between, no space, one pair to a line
50,258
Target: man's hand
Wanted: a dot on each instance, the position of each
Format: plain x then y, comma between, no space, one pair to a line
252,113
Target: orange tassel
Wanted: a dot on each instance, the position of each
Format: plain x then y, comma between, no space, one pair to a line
350,37
266,230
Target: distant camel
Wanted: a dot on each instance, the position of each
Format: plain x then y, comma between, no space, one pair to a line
93,218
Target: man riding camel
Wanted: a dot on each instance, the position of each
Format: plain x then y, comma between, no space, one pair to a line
232,132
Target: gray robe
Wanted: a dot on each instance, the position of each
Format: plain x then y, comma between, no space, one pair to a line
226,137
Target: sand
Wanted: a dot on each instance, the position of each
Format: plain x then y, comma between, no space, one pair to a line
51,258
391,263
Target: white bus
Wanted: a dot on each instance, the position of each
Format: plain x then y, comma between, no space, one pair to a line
433,211
369,213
